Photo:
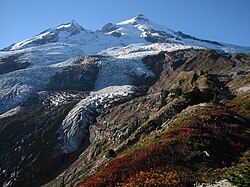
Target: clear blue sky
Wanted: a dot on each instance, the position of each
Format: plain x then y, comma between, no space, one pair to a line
221,20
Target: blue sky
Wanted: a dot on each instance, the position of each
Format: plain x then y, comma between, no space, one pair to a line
221,20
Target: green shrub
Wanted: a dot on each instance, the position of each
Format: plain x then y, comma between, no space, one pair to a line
163,102
202,72
195,94
214,92
181,81
177,92
194,78
133,128
246,105
240,176
62,184
215,99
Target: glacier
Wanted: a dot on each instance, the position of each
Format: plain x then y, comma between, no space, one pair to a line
116,50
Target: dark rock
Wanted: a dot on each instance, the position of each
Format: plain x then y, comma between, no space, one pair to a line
186,36
108,27
141,17
29,140
12,63
116,34
79,77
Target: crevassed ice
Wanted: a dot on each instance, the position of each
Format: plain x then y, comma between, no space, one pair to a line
74,127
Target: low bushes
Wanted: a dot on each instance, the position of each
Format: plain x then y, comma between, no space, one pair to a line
240,176
154,178
205,141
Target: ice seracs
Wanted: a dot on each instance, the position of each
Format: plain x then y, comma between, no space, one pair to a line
75,126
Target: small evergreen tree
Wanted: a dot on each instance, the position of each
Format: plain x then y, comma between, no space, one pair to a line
177,92
111,153
194,78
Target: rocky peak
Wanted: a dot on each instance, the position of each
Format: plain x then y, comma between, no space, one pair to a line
108,27
71,26
141,17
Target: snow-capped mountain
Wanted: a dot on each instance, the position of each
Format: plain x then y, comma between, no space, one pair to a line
58,34
40,62
32,65
70,40
53,86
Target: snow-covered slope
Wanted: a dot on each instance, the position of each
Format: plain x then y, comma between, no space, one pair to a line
141,26
58,34
122,45
70,40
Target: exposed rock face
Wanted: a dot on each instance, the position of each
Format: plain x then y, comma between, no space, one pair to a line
108,27
177,65
12,63
116,34
186,36
141,17
78,77
28,139
18,86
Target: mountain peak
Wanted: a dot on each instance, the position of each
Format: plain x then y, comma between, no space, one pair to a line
74,22
71,24
141,17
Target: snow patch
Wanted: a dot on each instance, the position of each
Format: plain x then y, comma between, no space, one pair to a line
64,26
11,112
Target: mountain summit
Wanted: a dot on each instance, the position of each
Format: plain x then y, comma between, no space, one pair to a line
51,35
136,30
140,18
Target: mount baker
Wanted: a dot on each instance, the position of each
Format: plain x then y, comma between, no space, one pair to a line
55,86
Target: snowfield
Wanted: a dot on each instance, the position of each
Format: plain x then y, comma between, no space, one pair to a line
140,50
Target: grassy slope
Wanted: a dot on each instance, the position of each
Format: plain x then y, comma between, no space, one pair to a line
201,143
